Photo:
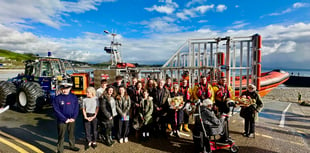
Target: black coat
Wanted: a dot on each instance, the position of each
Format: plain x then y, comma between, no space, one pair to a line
161,101
105,112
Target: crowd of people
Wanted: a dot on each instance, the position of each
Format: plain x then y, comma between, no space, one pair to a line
113,111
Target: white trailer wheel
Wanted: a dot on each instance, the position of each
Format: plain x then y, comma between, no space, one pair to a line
22,99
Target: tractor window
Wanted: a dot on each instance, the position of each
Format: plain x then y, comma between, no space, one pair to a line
68,67
35,70
46,68
28,69
56,68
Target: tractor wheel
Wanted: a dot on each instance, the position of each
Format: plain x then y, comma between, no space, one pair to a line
7,93
30,97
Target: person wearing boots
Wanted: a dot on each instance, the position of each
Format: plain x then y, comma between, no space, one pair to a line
185,90
106,114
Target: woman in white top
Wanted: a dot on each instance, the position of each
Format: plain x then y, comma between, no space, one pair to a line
90,109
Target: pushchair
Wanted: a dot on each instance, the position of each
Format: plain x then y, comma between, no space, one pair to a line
209,135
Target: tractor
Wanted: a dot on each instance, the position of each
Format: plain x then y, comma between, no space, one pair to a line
37,86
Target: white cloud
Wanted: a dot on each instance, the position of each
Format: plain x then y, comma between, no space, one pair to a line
193,12
193,2
221,8
288,10
168,8
161,9
278,41
162,25
300,5
238,25
287,47
202,21
48,12
204,8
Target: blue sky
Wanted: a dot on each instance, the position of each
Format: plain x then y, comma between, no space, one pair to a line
152,30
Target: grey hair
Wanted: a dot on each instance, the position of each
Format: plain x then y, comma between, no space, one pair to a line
252,86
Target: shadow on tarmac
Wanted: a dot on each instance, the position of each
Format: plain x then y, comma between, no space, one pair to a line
42,129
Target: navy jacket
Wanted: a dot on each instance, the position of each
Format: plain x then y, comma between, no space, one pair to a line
65,107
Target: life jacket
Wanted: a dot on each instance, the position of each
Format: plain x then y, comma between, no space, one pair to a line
168,86
203,91
222,92
186,93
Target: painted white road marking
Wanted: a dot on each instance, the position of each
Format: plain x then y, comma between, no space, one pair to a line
282,121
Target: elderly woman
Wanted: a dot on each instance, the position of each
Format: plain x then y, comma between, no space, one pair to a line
249,110
206,124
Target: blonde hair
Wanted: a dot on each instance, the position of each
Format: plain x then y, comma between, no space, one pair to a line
91,90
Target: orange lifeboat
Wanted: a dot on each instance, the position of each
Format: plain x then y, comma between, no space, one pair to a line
267,80
124,65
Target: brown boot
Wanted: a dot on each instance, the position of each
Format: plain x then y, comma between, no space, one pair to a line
169,127
186,129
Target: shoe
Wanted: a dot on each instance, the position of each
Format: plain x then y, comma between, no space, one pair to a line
121,140
112,141
75,149
126,139
176,134
87,146
245,134
108,143
94,145
186,129
222,140
251,135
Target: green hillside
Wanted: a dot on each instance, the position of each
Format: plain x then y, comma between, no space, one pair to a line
15,56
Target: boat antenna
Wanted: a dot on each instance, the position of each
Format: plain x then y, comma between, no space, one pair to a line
113,49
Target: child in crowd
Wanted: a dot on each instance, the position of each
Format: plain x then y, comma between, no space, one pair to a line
90,109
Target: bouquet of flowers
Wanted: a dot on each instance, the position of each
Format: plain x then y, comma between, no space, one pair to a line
245,101
176,102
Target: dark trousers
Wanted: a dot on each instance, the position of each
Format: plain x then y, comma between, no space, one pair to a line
225,134
91,130
176,118
186,117
62,128
123,128
249,125
201,142
159,125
